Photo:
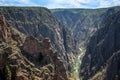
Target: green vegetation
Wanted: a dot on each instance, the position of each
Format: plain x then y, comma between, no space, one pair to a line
32,75
8,72
75,74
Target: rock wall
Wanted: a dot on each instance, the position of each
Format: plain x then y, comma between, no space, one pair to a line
4,30
83,22
102,46
16,55
41,23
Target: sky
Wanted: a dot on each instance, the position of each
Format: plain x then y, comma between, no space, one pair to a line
62,3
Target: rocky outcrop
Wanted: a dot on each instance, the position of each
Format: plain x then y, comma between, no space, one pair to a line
113,68
38,51
26,58
40,23
4,30
102,49
41,53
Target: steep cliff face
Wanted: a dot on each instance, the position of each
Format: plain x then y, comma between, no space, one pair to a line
83,22
113,67
26,58
35,56
102,51
4,30
40,23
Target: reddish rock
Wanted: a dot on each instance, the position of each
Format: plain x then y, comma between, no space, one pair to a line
31,45
44,53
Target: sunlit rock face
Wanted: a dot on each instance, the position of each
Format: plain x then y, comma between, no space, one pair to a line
26,58
4,29
41,23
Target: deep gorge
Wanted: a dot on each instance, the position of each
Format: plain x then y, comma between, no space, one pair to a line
59,44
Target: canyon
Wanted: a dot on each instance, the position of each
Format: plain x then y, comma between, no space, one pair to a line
59,44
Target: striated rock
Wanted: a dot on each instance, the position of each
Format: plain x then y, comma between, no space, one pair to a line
21,76
28,59
34,57
4,29
83,22
113,68
60,71
102,46
41,23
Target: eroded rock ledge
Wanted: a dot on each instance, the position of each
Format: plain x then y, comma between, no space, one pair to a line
42,54
27,59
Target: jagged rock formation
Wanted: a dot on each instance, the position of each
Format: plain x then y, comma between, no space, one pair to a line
101,60
35,58
40,23
83,22
41,54
5,33
16,52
